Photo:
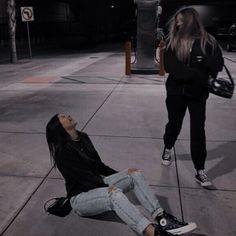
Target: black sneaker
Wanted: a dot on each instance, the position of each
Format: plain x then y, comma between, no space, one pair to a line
202,179
161,232
170,224
166,157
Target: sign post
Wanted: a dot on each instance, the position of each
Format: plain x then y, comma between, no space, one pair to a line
27,15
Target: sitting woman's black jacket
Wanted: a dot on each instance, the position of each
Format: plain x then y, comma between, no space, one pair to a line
190,77
81,166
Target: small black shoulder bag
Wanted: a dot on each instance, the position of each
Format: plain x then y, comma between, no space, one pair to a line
221,86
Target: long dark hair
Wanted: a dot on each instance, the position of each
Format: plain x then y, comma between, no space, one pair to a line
181,40
56,137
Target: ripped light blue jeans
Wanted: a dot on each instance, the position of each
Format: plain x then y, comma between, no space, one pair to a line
99,200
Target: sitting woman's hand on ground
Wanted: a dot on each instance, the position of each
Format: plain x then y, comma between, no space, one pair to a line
131,170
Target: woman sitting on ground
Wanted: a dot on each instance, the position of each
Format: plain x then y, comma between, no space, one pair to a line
94,187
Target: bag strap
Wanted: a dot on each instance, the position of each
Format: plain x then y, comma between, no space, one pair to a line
226,69
229,75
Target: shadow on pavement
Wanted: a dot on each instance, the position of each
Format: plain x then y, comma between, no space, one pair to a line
107,216
224,153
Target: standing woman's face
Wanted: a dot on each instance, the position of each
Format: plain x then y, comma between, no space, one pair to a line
179,20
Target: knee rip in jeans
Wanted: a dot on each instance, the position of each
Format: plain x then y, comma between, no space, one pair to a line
136,172
136,175
111,189
115,192
114,196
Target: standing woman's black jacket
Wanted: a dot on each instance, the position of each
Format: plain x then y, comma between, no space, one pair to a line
189,78
81,166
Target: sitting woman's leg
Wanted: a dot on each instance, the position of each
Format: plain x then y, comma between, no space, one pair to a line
133,179
99,200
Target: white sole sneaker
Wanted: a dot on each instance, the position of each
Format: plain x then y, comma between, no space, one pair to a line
183,230
202,179
204,184
166,162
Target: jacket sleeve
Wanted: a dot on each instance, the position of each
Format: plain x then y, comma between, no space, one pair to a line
177,69
214,62
71,165
103,169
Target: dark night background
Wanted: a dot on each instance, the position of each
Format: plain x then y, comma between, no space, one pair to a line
83,23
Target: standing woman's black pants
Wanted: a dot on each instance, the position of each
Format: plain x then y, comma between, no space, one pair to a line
176,107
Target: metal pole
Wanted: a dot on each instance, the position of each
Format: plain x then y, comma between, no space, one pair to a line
161,57
28,34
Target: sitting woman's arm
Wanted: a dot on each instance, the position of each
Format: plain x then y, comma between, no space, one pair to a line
72,166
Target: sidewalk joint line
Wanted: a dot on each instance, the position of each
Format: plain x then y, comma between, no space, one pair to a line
100,106
179,188
25,203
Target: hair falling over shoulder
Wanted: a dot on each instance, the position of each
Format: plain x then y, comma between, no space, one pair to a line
56,137
180,38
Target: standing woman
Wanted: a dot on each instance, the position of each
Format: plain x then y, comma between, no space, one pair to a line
191,55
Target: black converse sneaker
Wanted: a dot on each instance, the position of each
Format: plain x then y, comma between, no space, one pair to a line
161,232
174,226
166,157
202,179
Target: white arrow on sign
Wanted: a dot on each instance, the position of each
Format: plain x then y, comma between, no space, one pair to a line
27,14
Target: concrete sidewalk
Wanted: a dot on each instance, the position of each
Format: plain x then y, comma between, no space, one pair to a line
125,117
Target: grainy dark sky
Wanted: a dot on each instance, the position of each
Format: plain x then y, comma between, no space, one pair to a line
106,17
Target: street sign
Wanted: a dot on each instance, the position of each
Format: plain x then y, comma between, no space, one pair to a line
27,14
